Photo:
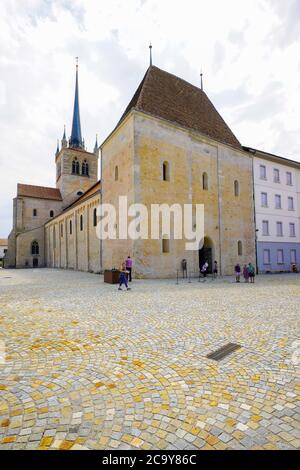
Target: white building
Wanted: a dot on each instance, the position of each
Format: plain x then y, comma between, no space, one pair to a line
277,211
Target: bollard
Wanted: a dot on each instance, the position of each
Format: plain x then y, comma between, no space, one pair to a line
177,278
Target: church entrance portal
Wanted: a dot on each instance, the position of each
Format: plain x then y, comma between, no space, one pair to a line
206,254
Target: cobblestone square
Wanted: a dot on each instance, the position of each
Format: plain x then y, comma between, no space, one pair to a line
88,367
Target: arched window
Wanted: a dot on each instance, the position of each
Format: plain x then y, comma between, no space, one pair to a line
81,222
165,245
236,188
240,248
71,227
95,217
116,173
85,168
75,167
166,171
35,249
34,212
205,182
51,213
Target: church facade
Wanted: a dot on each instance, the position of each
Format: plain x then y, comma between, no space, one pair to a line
170,147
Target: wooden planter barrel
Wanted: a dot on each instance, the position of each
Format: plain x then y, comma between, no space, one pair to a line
111,277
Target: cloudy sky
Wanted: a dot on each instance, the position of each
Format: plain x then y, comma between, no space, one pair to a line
249,51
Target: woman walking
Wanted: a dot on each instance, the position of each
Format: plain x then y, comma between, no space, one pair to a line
123,277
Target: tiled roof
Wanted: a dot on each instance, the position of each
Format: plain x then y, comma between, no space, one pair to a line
166,96
40,192
3,242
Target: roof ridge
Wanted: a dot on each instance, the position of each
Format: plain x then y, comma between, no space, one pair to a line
37,186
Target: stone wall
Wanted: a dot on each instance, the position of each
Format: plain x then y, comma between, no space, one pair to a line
24,257
69,247
228,219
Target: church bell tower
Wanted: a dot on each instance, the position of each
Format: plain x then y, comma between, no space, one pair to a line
76,169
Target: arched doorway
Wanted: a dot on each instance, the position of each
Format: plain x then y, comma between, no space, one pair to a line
206,253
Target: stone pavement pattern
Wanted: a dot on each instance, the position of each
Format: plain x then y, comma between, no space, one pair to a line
88,367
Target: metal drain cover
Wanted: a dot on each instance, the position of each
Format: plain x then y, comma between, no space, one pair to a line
223,352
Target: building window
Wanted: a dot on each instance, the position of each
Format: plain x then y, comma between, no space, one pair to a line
263,172
165,245
267,257
71,228
166,171
280,257
61,230
293,256
279,229
265,228
278,202
276,174
240,248
289,178
35,249
34,212
236,188
95,217
264,199
205,182
85,168
116,173
75,167
81,223
292,230
291,204
51,214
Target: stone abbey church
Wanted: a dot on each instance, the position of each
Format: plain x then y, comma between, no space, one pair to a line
170,146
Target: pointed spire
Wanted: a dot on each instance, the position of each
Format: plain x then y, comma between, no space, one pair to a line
57,149
201,77
64,142
150,49
96,148
76,139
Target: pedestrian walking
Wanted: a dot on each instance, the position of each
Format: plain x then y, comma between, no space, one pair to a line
123,277
129,264
215,270
246,273
184,268
251,270
237,271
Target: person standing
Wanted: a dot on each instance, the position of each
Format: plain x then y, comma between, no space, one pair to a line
215,273
237,271
251,270
204,269
184,268
129,264
123,277
246,274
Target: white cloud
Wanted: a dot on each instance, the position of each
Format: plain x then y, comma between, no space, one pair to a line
249,52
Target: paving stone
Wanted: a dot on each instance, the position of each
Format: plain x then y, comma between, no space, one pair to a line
116,372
